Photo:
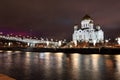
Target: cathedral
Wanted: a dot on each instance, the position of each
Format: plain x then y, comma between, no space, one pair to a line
88,32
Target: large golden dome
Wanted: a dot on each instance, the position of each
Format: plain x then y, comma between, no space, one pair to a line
86,17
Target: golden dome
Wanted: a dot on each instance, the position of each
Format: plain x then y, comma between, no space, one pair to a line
86,17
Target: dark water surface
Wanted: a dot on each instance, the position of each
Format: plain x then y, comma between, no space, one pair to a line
59,66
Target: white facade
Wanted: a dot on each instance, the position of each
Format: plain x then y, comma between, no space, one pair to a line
87,32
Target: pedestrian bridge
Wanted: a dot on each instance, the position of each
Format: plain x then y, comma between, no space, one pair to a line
31,42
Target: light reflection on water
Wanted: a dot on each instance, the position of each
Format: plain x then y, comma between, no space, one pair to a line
59,66
75,60
95,59
117,57
118,63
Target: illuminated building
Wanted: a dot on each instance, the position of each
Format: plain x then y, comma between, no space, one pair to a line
88,32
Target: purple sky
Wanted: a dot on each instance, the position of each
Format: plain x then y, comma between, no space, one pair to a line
56,18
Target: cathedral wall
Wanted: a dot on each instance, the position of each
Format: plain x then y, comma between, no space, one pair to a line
87,32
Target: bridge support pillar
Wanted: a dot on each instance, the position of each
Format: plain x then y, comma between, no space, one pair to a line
31,44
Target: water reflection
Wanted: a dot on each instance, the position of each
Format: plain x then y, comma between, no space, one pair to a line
117,57
95,60
59,60
59,66
27,58
95,66
87,62
47,60
75,65
117,60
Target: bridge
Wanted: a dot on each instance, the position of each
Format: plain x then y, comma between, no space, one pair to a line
31,42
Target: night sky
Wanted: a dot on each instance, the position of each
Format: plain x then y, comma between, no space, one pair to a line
56,18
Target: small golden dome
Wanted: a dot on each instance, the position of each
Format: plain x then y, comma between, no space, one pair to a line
91,22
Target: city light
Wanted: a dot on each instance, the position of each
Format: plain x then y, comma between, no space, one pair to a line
118,40
28,41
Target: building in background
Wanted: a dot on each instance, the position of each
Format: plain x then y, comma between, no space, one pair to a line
88,32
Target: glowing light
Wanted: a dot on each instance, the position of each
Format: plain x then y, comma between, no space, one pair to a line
47,43
28,54
75,57
95,58
59,54
28,44
94,42
117,58
106,41
95,55
118,41
75,60
9,44
59,43
9,51
1,50
75,42
47,56
17,51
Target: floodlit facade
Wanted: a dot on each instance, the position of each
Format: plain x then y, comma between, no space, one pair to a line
88,32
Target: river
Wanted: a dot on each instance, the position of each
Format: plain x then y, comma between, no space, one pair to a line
59,66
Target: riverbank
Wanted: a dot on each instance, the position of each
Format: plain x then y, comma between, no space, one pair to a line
5,77
66,50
